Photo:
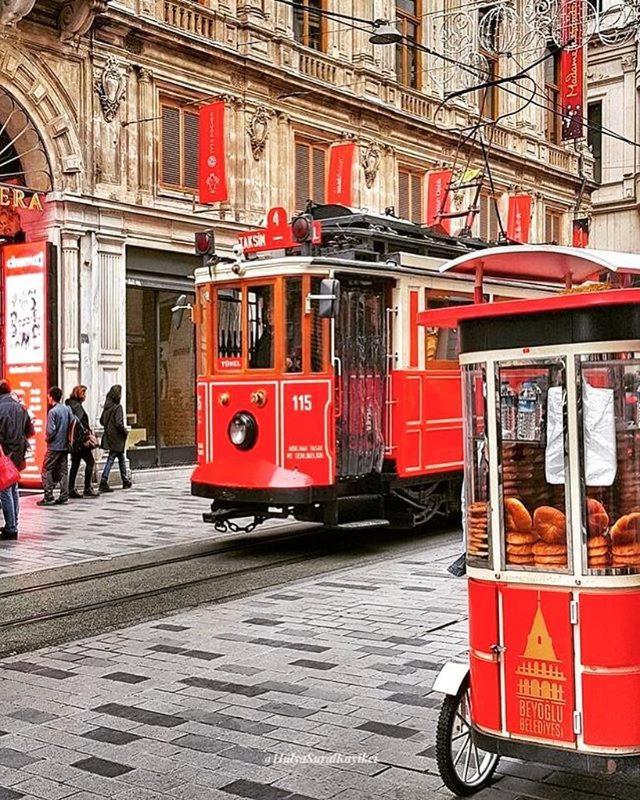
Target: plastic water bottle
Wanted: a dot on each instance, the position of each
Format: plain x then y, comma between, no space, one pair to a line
527,402
539,410
508,411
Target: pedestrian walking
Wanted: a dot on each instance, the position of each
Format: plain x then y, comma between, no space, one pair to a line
16,427
55,469
81,448
114,437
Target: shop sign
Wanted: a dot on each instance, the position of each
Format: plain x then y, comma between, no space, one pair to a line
15,198
572,68
340,183
581,232
277,235
25,345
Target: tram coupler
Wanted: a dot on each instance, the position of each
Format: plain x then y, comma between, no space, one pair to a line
223,519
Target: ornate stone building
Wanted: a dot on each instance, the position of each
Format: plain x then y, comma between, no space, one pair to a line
109,92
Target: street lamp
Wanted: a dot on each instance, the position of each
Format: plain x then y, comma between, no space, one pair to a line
385,32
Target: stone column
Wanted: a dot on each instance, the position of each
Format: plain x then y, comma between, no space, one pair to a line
68,304
146,108
109,331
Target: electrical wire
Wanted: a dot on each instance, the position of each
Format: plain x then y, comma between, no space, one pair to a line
453,62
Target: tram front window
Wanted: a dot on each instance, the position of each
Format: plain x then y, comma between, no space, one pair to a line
610,453
261,319
229,307
532,446
293,325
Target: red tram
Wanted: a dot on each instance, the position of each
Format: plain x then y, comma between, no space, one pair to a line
553,524
318,395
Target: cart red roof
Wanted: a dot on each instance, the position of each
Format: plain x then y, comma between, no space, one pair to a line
453,316
543,262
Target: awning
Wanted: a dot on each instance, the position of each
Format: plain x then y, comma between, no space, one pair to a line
543,262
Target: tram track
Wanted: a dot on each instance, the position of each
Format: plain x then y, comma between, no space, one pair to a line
101,599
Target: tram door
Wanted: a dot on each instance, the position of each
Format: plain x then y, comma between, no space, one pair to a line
360,344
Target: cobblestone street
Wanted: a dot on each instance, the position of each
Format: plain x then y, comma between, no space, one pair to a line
320,689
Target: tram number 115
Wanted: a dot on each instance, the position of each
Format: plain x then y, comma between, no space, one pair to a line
302,402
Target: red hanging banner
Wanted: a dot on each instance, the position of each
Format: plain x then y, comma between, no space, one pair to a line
572,68
340,186
437,183
213,172
581,232
519,218
25,341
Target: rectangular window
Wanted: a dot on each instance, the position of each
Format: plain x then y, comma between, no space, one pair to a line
317,331
293,325
310,170
553,227
179,147
229,308
594,137
203,310
553,126
308,23
410,195
260,320
488,228
408,58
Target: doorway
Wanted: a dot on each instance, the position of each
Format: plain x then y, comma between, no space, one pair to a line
160,380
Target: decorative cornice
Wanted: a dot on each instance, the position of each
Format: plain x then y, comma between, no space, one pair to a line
12,11
77,17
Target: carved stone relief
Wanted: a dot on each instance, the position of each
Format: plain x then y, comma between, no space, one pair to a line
370,161
77,17
111,86
12,11
258,130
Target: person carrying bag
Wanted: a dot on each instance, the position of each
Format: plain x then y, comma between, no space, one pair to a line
82,442
16,427
114,438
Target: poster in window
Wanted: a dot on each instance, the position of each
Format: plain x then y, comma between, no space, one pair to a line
25,344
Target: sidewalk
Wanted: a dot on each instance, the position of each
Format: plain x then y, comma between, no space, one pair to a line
318,690
157,511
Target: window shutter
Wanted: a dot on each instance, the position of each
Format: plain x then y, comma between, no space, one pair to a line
302,175
190,150
318,185
404,209
170,167
416,199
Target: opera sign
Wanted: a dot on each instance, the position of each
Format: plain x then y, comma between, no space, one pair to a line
15,198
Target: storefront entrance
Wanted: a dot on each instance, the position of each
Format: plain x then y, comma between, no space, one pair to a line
160,380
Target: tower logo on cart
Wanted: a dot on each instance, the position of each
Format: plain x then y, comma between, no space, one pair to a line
541,684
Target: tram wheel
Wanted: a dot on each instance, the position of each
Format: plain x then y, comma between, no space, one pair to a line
463,767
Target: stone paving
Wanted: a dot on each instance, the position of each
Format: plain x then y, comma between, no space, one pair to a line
317,690
115,524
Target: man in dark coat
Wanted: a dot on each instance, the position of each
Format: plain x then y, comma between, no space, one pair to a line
82,452
15,429
114,437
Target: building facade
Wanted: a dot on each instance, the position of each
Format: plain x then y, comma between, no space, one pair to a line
108,96
613,83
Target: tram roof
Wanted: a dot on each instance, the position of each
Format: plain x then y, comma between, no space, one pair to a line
543,262
451,317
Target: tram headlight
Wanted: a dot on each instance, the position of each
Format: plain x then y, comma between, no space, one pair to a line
243,430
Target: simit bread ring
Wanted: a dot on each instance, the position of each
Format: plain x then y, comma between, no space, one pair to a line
627,529
550,525
516,516
597,518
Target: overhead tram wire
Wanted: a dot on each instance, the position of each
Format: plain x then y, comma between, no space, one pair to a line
454,62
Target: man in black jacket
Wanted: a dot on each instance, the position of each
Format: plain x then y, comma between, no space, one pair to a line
15,429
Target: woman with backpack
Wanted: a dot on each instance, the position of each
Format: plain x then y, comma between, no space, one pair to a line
114,437
81,445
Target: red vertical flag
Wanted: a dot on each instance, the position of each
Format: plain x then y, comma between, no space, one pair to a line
438,199
213,168
340,185
519,218
581,232
572,68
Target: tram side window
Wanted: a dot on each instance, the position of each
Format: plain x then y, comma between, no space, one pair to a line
443,344
230,324
293,325
476,482
260,308
610,454
204,305
317,331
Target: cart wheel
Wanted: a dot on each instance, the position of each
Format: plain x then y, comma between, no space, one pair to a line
463,767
